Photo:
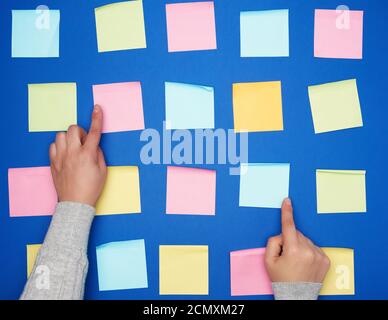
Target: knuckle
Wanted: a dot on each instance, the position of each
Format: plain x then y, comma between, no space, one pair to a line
60,135
308,255
326,261
73,127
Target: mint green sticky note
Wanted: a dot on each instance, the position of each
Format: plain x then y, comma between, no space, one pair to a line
264,33
189,106
122,265
264,185
35,33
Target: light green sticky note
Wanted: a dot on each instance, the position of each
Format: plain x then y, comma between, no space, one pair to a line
335,106
341,191
52,106
120,26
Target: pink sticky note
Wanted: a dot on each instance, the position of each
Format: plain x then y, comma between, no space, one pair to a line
191,26
338,34
122,105
248,274
31,192
191,191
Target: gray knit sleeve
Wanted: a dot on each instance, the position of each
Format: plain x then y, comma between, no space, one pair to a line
296,290
61,266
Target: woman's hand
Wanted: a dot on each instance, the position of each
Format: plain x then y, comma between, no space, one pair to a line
77,162
291,257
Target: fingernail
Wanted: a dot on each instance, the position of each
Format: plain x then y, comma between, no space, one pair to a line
96,108
287,201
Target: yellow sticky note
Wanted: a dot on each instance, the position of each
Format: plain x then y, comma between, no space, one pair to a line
183,270
257,106
52,106
32,253
120,26
340,277
335,106
121,192
341,191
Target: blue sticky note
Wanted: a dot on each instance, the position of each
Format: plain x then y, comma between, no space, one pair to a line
264,185
189,106
35,33
264,33
122,265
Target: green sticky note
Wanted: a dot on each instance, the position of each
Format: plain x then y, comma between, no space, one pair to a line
341,191
335,106
52,106
120,26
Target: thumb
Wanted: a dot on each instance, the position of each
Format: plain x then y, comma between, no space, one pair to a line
274,248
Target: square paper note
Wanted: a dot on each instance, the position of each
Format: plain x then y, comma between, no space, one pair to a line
248,275
191,26
184,270
264,33
122,106
335,106
189,106
121,192
191,191
264,185
338,34
52,106
35,33
257,106
340,278
31,192
32,254
122,265
341,191
120,26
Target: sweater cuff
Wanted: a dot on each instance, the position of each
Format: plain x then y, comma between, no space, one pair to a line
70,226
296,290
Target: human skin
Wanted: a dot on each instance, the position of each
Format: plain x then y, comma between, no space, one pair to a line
291,257
77,162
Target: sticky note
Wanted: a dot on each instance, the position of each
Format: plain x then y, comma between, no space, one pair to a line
121,192
120,26
189,106
122,265
341,191
52,106
32,254
338,34
191,191
264,185
248,275
31,192
264,33
340,278
257,106
191,26
35,33
122,106
183,270
335,106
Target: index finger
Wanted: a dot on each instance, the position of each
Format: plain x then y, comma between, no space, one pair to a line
93,137
288,225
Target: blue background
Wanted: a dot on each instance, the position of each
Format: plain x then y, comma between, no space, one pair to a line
232,228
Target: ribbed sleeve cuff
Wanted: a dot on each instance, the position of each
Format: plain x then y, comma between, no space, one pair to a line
296,290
